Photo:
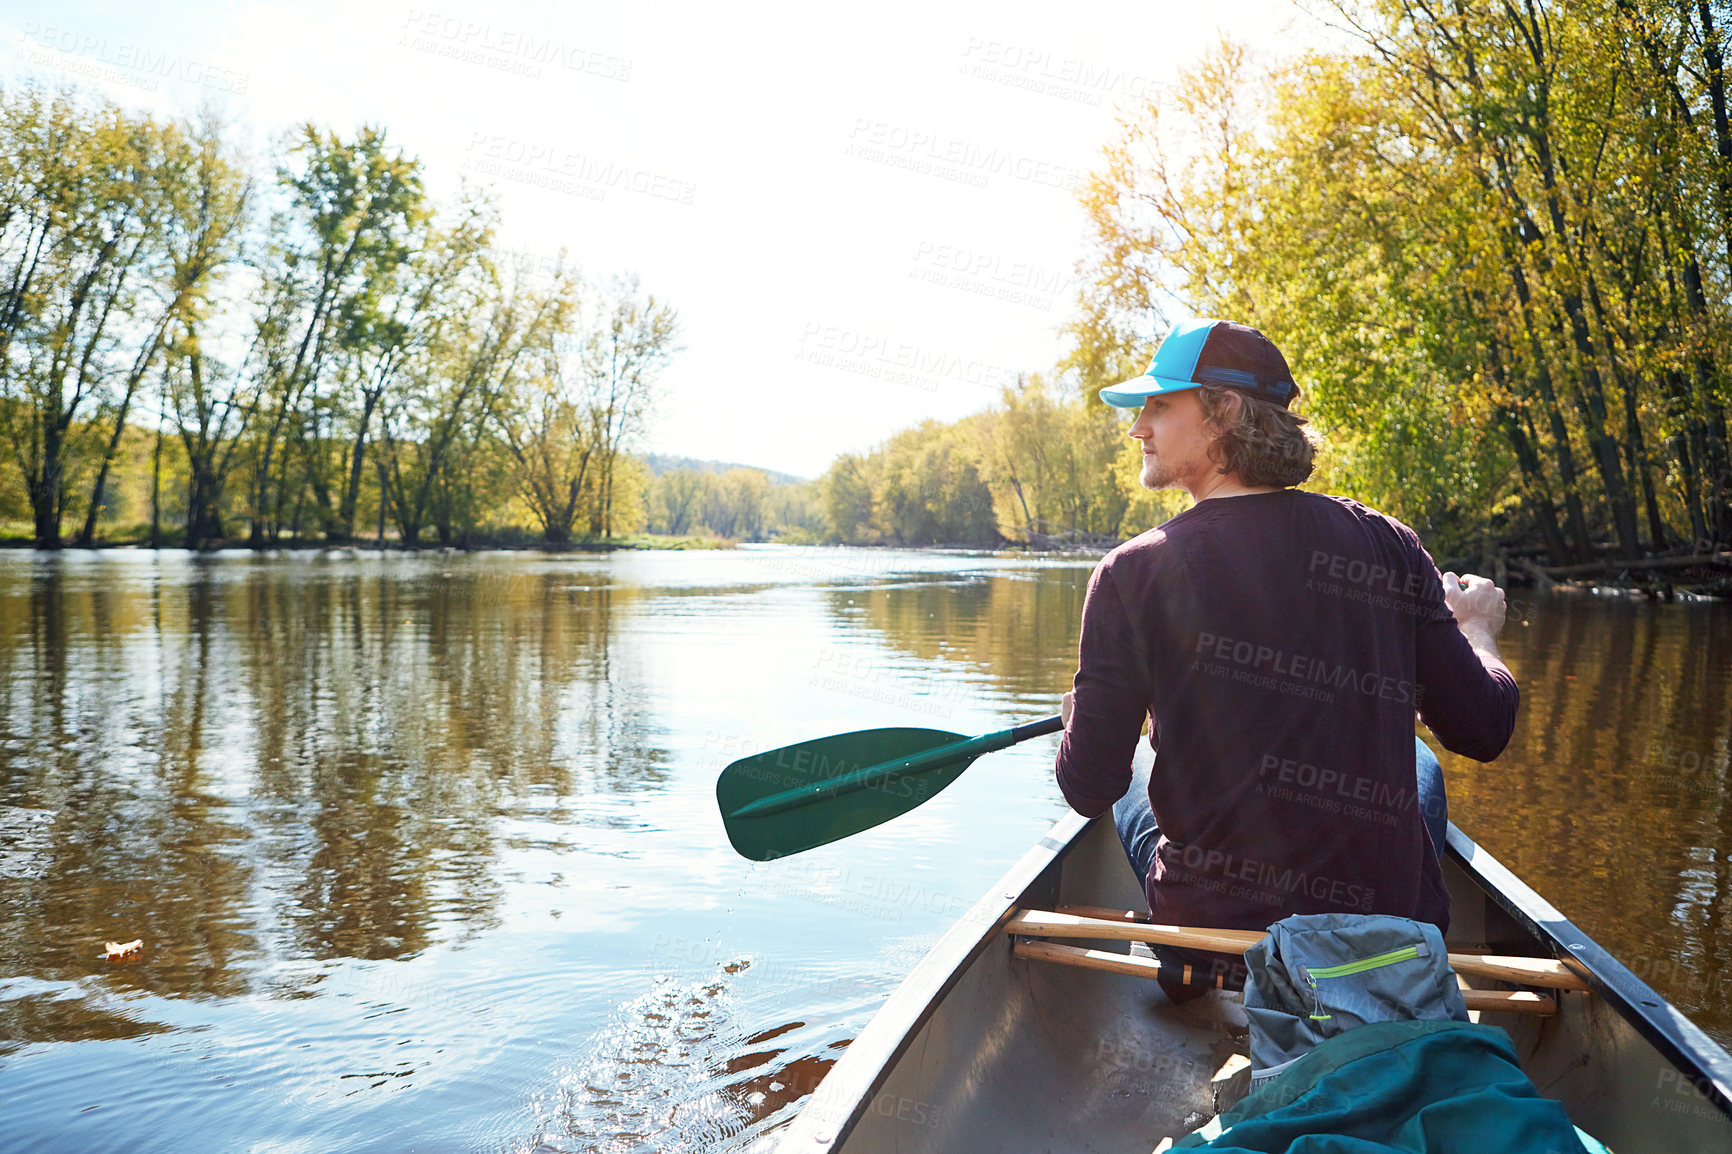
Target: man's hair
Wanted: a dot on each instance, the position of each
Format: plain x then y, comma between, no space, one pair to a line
1260,442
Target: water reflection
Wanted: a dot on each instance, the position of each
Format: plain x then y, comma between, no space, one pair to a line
1613,798
1017,631
288,758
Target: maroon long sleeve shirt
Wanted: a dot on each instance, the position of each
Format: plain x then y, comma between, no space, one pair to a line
1279,645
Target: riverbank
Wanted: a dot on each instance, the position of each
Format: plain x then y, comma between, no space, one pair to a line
1707,575
1660,578
525,544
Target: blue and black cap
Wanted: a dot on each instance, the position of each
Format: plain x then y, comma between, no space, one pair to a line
1208,352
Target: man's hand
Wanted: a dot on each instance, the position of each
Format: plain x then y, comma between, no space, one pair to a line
1065,705
1478,607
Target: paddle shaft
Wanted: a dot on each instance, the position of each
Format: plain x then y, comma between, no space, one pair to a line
873,776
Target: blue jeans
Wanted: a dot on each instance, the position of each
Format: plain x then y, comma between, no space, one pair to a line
1139,834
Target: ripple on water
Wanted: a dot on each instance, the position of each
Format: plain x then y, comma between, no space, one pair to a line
26,836
679,1069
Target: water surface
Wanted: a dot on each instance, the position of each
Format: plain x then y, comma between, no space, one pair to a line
424,851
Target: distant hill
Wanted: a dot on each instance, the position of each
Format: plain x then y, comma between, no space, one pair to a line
659,463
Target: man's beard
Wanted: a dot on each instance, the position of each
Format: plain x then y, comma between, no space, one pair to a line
1156,474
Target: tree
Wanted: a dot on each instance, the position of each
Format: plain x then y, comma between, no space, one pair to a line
339,242
933,493
849,500
736,504
547,425
1015,440
351,350
403,315
622,357
677,501
84,197
583,405
211,404
472,363
205,194
1478,237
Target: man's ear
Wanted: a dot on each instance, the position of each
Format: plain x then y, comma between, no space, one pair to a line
1221,419
1233,405
1224,413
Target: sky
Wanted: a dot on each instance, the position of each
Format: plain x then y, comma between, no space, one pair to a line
865,215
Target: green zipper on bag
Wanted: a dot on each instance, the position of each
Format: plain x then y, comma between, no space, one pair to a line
1360,965
1357,966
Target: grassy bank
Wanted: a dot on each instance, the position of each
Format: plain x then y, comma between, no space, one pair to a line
17,536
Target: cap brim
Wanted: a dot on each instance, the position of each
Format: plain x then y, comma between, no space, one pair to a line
1132,393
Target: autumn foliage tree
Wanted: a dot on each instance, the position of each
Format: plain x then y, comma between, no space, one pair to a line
1495,242
323,350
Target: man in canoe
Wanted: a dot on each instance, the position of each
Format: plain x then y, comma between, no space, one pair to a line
1279,644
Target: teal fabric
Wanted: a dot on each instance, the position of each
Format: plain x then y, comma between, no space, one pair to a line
1430,1087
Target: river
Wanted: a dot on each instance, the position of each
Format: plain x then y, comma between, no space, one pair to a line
424,855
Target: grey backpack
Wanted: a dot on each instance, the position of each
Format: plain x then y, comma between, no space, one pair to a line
1318,975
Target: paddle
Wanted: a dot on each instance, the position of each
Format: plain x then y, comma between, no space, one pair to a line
815,792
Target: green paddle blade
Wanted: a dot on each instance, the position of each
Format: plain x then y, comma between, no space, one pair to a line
815,792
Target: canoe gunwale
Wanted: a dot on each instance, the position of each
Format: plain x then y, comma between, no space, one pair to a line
846,1092
1678,1039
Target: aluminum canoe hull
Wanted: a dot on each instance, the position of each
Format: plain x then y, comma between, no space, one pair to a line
982,1052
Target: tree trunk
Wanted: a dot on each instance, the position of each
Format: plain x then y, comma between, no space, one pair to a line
1715,68
1690,443
285,462
1556,545
607,498
1688,449
204,512
87,535
345,522
314,449
1636,460
1590,391
1534,495
1657,530
156,491
1712,459
1542,377
1635,463
44,489
261,499
1591,400
1720,478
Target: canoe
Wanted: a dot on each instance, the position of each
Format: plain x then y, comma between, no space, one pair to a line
983,1050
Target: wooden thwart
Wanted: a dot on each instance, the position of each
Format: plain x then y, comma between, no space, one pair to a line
1104,913
1490,1001
1543,972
